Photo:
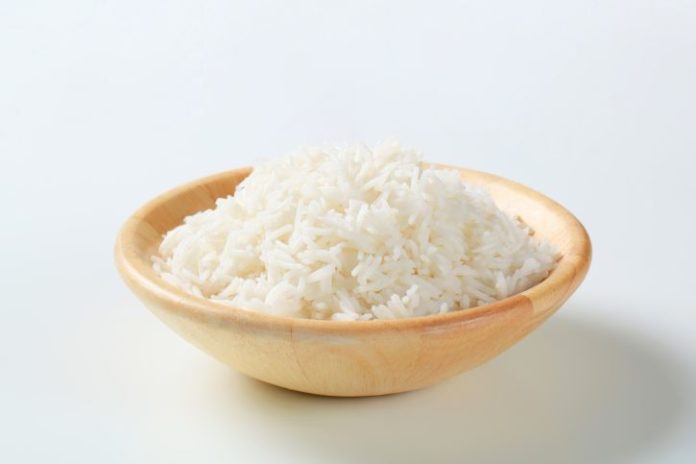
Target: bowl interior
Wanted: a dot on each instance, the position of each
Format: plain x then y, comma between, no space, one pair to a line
142,234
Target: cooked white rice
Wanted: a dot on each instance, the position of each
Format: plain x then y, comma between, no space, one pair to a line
353,234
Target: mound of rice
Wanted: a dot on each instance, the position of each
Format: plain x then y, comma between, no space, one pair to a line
353,234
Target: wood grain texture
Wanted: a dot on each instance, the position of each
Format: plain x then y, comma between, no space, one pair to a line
345,358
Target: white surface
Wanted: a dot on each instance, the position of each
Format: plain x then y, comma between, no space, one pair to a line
102,106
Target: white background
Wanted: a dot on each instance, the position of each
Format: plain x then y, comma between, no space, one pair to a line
103,105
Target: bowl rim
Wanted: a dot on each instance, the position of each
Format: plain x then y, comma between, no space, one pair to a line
143,280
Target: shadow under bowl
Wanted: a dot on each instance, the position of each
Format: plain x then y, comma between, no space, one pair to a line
349,358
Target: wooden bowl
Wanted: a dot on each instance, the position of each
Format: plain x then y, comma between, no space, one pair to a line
349,358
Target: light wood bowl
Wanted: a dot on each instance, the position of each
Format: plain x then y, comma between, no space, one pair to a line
342,358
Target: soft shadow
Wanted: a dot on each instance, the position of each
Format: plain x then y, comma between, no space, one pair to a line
572,392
